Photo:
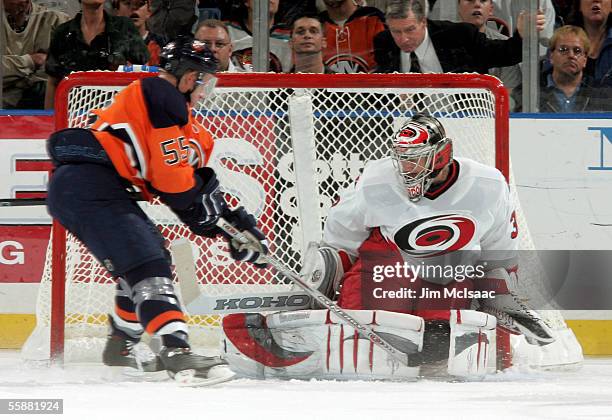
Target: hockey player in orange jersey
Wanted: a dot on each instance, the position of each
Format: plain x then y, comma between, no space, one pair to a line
147,138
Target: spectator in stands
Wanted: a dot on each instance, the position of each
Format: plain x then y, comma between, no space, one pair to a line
27,30
215,34
126,7
154,42
594,17
289,11
209,9
563,9
509,11
307,42
92,40
414,43
227,8
241,34
478,12
350,30
379,4
566,88
171,18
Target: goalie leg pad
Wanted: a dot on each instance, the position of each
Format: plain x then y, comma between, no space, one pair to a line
459,345
315,344
472,343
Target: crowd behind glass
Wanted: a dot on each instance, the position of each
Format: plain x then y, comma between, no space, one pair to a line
44,40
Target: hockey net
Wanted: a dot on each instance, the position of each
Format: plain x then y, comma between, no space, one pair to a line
286,145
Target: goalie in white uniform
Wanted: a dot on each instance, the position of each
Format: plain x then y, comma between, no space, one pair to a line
421,239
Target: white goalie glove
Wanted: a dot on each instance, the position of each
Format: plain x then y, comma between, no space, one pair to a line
513,312
323,268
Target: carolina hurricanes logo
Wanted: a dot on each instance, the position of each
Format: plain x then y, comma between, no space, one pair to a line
411,135
435,235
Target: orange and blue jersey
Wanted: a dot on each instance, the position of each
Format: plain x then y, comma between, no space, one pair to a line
151,137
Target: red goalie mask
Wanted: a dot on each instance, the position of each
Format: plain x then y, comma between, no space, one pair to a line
420,150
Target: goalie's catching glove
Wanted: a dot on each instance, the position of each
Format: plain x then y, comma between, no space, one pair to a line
208,206
513,312
257,245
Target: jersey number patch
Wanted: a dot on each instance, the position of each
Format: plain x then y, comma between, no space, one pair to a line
175,150
514,232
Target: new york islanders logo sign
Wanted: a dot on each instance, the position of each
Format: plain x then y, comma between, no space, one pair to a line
437,235
347,63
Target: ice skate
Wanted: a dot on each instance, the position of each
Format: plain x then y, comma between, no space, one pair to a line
191,369
119,351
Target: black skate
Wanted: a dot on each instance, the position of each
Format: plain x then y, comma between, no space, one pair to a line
119,351
192,369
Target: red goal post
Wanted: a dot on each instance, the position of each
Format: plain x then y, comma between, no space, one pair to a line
276,133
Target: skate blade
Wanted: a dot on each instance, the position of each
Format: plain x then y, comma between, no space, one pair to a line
216,375
154,376
126,373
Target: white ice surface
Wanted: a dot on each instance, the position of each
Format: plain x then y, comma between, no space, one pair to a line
94,392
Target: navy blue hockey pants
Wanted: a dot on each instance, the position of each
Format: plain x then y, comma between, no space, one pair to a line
91,201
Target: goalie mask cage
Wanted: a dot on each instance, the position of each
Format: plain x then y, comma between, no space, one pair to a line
286,145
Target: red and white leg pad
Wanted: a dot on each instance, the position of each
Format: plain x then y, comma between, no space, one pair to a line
316,344
472,343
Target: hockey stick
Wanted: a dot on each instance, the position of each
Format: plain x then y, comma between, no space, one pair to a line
42,201
242,238
198,303
18,202
184,265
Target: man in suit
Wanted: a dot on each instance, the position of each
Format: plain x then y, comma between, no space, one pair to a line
414,43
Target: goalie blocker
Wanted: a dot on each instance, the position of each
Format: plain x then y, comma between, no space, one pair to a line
316,344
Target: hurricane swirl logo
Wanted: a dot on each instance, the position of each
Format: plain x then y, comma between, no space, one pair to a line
435,235
411,135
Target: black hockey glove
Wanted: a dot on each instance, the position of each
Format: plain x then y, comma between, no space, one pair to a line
208,206
258,244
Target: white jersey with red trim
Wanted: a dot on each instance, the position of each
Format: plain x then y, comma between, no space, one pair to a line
470,211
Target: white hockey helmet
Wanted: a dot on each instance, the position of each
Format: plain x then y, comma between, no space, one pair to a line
420,150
